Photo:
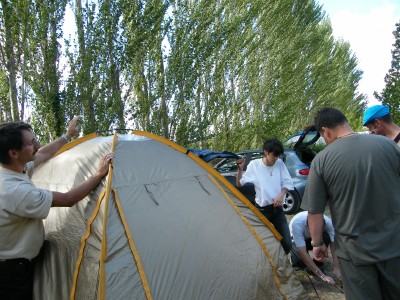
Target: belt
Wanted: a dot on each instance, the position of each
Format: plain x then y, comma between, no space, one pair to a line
15,260
267,207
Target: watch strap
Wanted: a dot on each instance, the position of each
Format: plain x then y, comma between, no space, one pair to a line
319,244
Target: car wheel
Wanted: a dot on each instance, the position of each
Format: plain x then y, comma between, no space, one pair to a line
291,202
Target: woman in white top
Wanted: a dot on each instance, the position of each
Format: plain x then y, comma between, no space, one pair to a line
271,181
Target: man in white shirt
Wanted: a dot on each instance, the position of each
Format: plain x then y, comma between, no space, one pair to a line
300,234
23,206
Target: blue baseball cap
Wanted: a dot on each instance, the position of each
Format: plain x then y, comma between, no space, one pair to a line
375,112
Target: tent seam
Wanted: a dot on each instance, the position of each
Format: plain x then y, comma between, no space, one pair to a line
237,194
214,173
258,238
83,244
132,246
103,253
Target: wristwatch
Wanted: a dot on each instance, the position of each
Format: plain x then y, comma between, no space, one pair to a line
317,244
64,136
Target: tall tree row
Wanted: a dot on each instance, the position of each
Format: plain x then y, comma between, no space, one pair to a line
43,75
14,23
216,74
95,59
390,95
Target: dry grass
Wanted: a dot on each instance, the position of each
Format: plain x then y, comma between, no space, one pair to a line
316,289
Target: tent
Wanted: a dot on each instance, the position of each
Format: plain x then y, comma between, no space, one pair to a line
161,225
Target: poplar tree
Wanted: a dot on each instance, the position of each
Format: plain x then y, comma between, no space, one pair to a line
390,95
215,74
13,25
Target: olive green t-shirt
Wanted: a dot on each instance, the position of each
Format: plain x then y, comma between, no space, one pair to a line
359,178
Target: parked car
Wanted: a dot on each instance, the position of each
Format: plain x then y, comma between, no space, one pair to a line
297,157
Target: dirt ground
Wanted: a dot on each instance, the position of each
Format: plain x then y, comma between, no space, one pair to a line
314,287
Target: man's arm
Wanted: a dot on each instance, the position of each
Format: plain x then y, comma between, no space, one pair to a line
312,266
316,227
79,192
336,267
46,152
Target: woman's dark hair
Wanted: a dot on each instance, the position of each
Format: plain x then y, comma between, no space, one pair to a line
11,138
329,117
273,146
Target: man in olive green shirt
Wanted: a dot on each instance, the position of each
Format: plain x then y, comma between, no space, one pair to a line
358,176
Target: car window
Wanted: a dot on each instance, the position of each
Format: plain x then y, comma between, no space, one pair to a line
291,141
257,155
229,165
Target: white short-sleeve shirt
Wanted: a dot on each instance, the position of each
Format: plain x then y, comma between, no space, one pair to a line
300,232
22,208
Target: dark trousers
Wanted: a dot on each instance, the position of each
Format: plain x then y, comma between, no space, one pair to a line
277,217
376,281
16,279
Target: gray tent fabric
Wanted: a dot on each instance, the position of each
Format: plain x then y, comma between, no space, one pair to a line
171,226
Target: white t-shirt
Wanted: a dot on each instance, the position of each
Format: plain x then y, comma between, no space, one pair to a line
22,208
300,232
268,181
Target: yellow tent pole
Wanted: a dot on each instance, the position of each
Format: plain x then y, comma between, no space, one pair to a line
257,237
75,142
134,250
83,245
103,253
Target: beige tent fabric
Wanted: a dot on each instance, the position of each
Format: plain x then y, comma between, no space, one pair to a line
175,229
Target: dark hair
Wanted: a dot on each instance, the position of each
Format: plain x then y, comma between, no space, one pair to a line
273,146
386,118
329,117
11,138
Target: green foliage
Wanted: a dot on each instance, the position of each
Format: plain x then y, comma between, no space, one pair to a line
390,95
4,104
217,74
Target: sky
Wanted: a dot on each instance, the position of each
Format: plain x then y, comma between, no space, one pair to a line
368,26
